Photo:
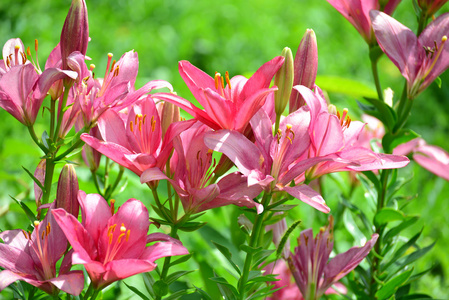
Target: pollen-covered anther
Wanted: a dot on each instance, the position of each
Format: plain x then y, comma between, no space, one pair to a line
113,200
218,80
279,135
228,82
91,67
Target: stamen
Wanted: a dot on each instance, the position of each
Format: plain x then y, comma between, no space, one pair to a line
91,67
116,71
217,79
113,64
131,126
28,51
227,79
113,200
25,234
127,235
108,65
144,117
36,45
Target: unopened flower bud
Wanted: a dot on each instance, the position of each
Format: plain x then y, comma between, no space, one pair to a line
169,114
305,68
430,7
75,32
67,192
284,82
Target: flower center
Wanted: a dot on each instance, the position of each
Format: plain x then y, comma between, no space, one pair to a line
432,55
219,84
143,134
112,71
40,247
116,240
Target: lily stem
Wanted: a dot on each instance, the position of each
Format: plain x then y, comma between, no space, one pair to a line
173,232
254,243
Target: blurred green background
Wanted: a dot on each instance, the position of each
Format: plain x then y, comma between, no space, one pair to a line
235,36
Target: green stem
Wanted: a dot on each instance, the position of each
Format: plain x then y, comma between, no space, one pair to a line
164,273
404,108
115,184
89,291
254,243
36,139
68,151
376,79
49,170
52,118
422,22
375,263
61,111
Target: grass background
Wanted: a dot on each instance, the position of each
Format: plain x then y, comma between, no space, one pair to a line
234,36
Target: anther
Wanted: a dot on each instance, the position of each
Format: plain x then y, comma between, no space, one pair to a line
217,79
36,45
228,82
131,126
113,200
113,65
28,51
116,71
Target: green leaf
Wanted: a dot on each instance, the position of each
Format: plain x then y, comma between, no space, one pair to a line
345,86
26,209
260,257
438,81
352,227
392,285
227,254
181,260
398,254
204,294
415,256
386,215
283,207
39,184
373,178
228,291
391,141
175,276
250,250
386,114
177,295
149,281
409,220
192,226
136,291
285,237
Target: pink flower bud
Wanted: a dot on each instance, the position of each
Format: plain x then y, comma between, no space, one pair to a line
169,114
75,32
431,6
284,82
67,192
305,68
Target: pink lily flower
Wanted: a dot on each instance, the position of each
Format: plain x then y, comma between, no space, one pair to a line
230,106
13,55
22,90
419,59
357,13
135,144
274,161
336,135
289,290
430,157
193,169
32,257
112,245
313,272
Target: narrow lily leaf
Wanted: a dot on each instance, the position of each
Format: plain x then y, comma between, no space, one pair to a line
373,178
285,238
202,293
149,282
137,292
26,209
175,276
390,141
352,227
250,250
345,86
228,291
261,257
386,215
192,226
181,260
391,286
415,256
388,115
409,220
177,295
283,207
39,184
227,254
402,250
